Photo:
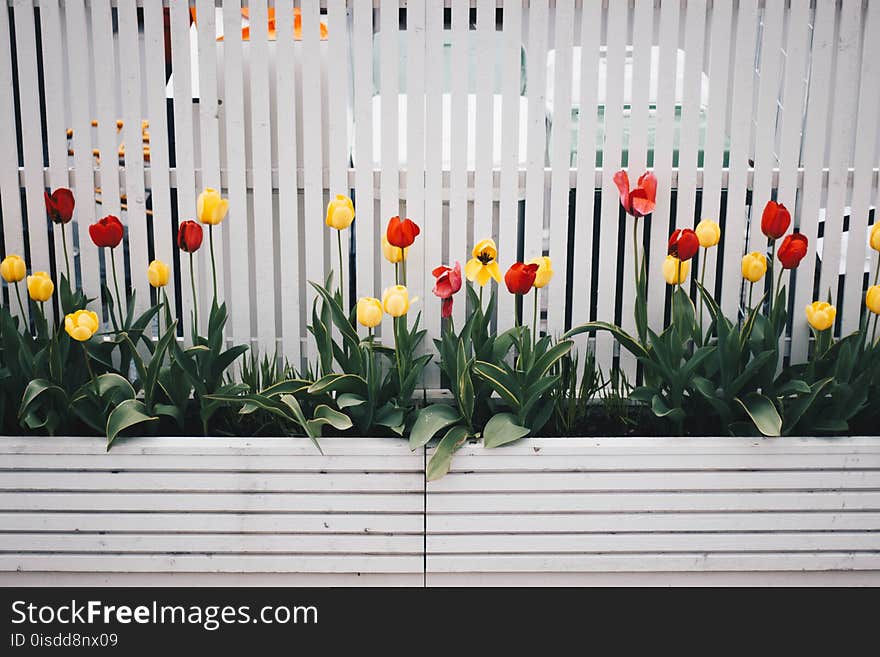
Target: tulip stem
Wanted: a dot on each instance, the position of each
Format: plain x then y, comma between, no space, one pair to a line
874,329
481,298
167,308
751,288
339,247
116,285
192,280
88,364
770,278
397,273
20,304
778,285
877,272
403,265
705,258
636,252
214,263
535,321
66,257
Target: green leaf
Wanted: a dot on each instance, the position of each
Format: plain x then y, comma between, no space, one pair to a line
430,420
441,459
501,429
114,388
625,339
763,413
499,380
347,399
326,415
339,383
128,414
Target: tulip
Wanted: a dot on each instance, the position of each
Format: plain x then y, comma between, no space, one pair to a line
520,277
708,232
189,236
875,236
754,266
483,265
393,254
683,244
81,325
107,232
448,283
792,250
401,233
641,200
40,286
395,300
13,269
340,212
369,312
157,273
820,315
775,220
675,271
59,205
872,299
545,271
211,208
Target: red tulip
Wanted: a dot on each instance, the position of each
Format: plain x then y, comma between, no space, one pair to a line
684,244
189,236
792,250
107,232
448,283
642,199
401,233
520,278
59,205
775,220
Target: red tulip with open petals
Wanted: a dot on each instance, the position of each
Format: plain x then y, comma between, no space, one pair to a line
641,199
683,244
448,283
401,232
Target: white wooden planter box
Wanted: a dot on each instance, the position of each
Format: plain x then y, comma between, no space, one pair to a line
658,510
211,511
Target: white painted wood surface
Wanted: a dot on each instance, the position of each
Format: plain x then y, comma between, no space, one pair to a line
751,103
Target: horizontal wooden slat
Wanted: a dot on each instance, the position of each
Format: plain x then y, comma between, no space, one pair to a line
242,523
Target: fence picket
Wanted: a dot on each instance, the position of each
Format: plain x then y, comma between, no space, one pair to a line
457,133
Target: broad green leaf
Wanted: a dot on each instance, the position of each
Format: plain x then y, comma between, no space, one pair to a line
348,399
326,415
441,459
499,380
128,414
625,339
339,383
763,413
501,429
430,420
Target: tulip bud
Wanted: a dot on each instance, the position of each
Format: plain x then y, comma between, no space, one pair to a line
775,220
754,266
683,244
545,271
393,254
872,299
401,232
211,207
81,325
59,205
395,300
369,312
820,315
676,271
157,273
340,212
189,236
708,232
40,286
792,250
107,232
520,277
875,236
13,269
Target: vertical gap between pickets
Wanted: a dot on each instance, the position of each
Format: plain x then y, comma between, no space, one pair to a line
424,517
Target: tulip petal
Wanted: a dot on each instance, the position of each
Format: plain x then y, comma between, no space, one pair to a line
494,270
648,182
641,203
472,269
621,179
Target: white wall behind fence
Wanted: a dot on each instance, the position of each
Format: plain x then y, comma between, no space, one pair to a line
473,117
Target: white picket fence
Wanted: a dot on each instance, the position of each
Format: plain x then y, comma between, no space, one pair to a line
473,117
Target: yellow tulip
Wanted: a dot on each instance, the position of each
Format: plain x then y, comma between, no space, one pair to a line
40,286
708,232
369,312
754,266
392,253
81,325
157,273
340,212
211,207
13,269
675,271
483,265
545,271
875,237
395,300
872,299
820,315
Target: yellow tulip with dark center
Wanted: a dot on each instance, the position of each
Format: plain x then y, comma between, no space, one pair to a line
369,312
872,299
545,271
40,286
708,232
211,207
675,271
393,254
820,315
81,325
754,266
483,265
13,269
340,212
395,300
157,273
